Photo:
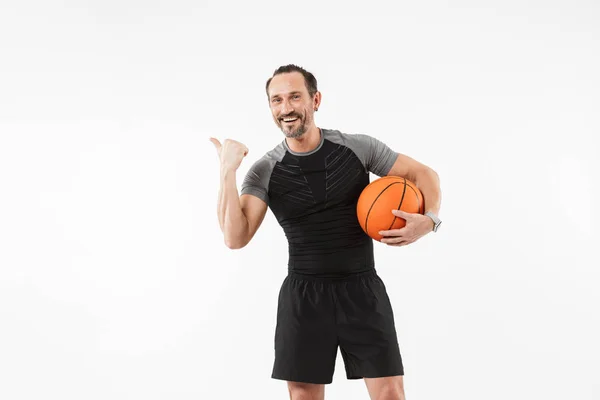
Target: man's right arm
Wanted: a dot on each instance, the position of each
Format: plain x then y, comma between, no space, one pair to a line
239,216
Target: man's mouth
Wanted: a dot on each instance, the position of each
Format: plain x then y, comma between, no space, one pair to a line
289,120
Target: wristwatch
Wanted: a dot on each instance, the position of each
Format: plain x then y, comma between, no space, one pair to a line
436,221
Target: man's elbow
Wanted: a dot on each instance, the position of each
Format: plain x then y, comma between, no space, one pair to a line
427,172
235,243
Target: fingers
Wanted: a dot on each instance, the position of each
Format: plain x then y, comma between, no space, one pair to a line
402,214
239,147
394,240
393,232
407,242
397,237
398,240
229,143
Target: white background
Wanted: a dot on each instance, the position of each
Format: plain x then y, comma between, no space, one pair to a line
114,279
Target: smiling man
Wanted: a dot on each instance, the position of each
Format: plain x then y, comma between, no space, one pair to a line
332,296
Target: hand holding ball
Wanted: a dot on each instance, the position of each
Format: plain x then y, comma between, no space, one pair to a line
380,197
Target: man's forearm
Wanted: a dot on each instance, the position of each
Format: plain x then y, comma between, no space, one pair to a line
232,219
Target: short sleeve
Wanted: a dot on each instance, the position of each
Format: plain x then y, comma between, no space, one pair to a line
256,181
375,155
380,158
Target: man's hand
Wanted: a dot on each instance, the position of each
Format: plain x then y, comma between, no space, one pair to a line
230,153
417,226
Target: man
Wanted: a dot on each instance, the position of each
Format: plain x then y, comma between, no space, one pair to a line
332,295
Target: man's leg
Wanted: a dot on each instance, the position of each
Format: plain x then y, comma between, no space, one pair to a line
306,391
387,388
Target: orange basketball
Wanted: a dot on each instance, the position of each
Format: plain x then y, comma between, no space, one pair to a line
380,197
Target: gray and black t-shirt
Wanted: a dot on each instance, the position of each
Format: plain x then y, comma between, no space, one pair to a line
313,195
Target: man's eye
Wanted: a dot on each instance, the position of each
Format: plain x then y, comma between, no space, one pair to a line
297,96
275,100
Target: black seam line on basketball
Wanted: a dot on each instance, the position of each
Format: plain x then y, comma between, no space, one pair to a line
399,205
420,201
417,196
373,204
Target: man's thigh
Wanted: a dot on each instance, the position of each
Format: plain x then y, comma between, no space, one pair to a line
366,330
305,336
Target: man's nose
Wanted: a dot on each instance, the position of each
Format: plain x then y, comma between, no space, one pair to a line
286,108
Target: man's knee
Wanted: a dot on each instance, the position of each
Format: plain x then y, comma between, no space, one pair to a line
391,392
306,391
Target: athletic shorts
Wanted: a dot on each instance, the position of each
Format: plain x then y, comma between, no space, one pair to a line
316,315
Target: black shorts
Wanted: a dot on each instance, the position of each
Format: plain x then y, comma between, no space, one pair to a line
316,315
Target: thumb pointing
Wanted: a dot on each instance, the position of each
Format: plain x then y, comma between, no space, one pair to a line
216,143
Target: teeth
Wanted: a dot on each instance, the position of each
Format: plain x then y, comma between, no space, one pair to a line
289,119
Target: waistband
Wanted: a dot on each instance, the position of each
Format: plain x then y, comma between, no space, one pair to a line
341,277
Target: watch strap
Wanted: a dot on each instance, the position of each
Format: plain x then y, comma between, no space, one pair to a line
436,221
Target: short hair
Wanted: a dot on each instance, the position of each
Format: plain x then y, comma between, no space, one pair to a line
309,79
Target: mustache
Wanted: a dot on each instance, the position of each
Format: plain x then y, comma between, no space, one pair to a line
292,115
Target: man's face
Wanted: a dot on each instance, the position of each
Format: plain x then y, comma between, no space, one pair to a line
292,107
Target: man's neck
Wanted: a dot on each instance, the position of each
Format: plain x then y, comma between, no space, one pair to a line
307,142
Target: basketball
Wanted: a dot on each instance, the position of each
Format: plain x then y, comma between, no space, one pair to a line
380,197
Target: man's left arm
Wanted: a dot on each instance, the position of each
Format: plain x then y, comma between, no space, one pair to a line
426,179
417,225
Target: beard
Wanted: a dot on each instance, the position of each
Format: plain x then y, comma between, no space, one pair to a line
295,132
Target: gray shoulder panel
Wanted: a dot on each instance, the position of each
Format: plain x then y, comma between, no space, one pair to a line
256,181
375,155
